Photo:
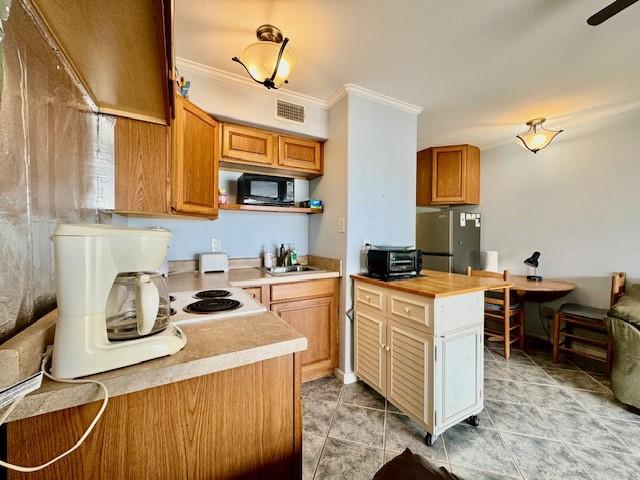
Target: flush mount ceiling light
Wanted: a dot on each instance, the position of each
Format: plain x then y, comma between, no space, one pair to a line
537,137
266,61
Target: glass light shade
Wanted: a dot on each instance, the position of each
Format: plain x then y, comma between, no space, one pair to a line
537,137
260,60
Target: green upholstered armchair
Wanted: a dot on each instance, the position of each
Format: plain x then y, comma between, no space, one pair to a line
623,322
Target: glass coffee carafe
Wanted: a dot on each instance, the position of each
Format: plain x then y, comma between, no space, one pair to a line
135,298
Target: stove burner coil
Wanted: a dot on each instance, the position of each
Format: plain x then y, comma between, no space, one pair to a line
212,294
212,305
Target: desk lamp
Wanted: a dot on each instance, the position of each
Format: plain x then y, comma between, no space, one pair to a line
532,261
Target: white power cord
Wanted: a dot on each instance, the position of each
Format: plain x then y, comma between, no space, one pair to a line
43,366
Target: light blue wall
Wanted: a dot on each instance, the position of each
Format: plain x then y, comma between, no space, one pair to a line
369,180
242,233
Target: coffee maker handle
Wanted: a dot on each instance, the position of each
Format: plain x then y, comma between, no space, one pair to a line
147,304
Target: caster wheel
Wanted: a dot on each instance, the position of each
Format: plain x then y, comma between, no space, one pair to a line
430,440
474,420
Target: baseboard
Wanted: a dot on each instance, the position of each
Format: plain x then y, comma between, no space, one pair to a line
345,378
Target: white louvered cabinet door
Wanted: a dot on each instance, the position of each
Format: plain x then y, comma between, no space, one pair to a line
410,372
370,354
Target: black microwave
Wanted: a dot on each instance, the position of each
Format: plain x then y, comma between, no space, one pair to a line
256,189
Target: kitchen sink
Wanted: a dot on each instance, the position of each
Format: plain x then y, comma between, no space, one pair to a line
291,270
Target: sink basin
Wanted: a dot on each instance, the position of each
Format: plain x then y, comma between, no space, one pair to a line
291,270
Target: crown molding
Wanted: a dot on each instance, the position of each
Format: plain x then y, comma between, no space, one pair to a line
362,92
242,81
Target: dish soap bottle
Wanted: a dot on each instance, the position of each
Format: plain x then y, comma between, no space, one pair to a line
294,255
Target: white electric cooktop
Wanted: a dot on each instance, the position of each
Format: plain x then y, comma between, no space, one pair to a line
216,304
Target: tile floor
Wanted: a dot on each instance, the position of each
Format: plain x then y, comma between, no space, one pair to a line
541,421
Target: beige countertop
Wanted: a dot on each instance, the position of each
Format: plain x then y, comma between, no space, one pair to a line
439,284
240,277
212,346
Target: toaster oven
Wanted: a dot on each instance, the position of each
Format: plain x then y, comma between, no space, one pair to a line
388,263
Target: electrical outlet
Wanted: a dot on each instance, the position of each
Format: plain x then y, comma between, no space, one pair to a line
341,225
216,244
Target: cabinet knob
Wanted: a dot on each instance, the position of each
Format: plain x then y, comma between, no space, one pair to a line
407,309
367,297
387,348
382,345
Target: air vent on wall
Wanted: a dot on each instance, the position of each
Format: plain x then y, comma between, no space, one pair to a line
289,111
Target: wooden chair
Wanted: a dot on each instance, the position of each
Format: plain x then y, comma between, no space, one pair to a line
500,308
574,315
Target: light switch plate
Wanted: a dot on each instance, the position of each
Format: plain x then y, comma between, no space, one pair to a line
341,225
216,245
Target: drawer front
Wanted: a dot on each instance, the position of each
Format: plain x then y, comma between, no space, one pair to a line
370,296
411,307
309,289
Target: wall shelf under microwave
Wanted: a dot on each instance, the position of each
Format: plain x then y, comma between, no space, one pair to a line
269,208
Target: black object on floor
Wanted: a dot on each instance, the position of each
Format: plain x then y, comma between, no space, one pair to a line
411,466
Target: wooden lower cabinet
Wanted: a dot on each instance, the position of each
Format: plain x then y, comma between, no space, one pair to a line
239,423
315,318
311,307
424,355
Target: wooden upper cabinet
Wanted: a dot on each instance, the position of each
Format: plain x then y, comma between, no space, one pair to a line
194,188
260,151
247,145
299,154
121,52
448,176
141,167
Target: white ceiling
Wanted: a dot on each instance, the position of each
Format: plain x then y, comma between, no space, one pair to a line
479,68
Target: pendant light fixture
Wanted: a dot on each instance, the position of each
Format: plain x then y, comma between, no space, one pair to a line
267,61
537,137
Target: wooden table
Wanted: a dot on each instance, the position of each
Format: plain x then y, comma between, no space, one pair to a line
542,291
531,291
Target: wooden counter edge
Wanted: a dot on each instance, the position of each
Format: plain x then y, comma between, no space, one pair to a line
397,285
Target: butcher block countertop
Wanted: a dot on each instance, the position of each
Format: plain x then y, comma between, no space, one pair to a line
435,284
212,346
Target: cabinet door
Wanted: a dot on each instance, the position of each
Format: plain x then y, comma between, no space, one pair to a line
370,355
141,167
448,179
410,370
299,154
247,145
195,161
459,375
316,319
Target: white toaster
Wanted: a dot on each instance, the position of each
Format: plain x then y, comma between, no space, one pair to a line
213,262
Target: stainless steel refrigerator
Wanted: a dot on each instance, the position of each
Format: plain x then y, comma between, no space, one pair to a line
449,240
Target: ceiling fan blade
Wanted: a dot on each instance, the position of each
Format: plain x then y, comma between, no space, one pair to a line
609,11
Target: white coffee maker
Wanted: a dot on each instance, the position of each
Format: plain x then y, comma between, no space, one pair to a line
87,260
